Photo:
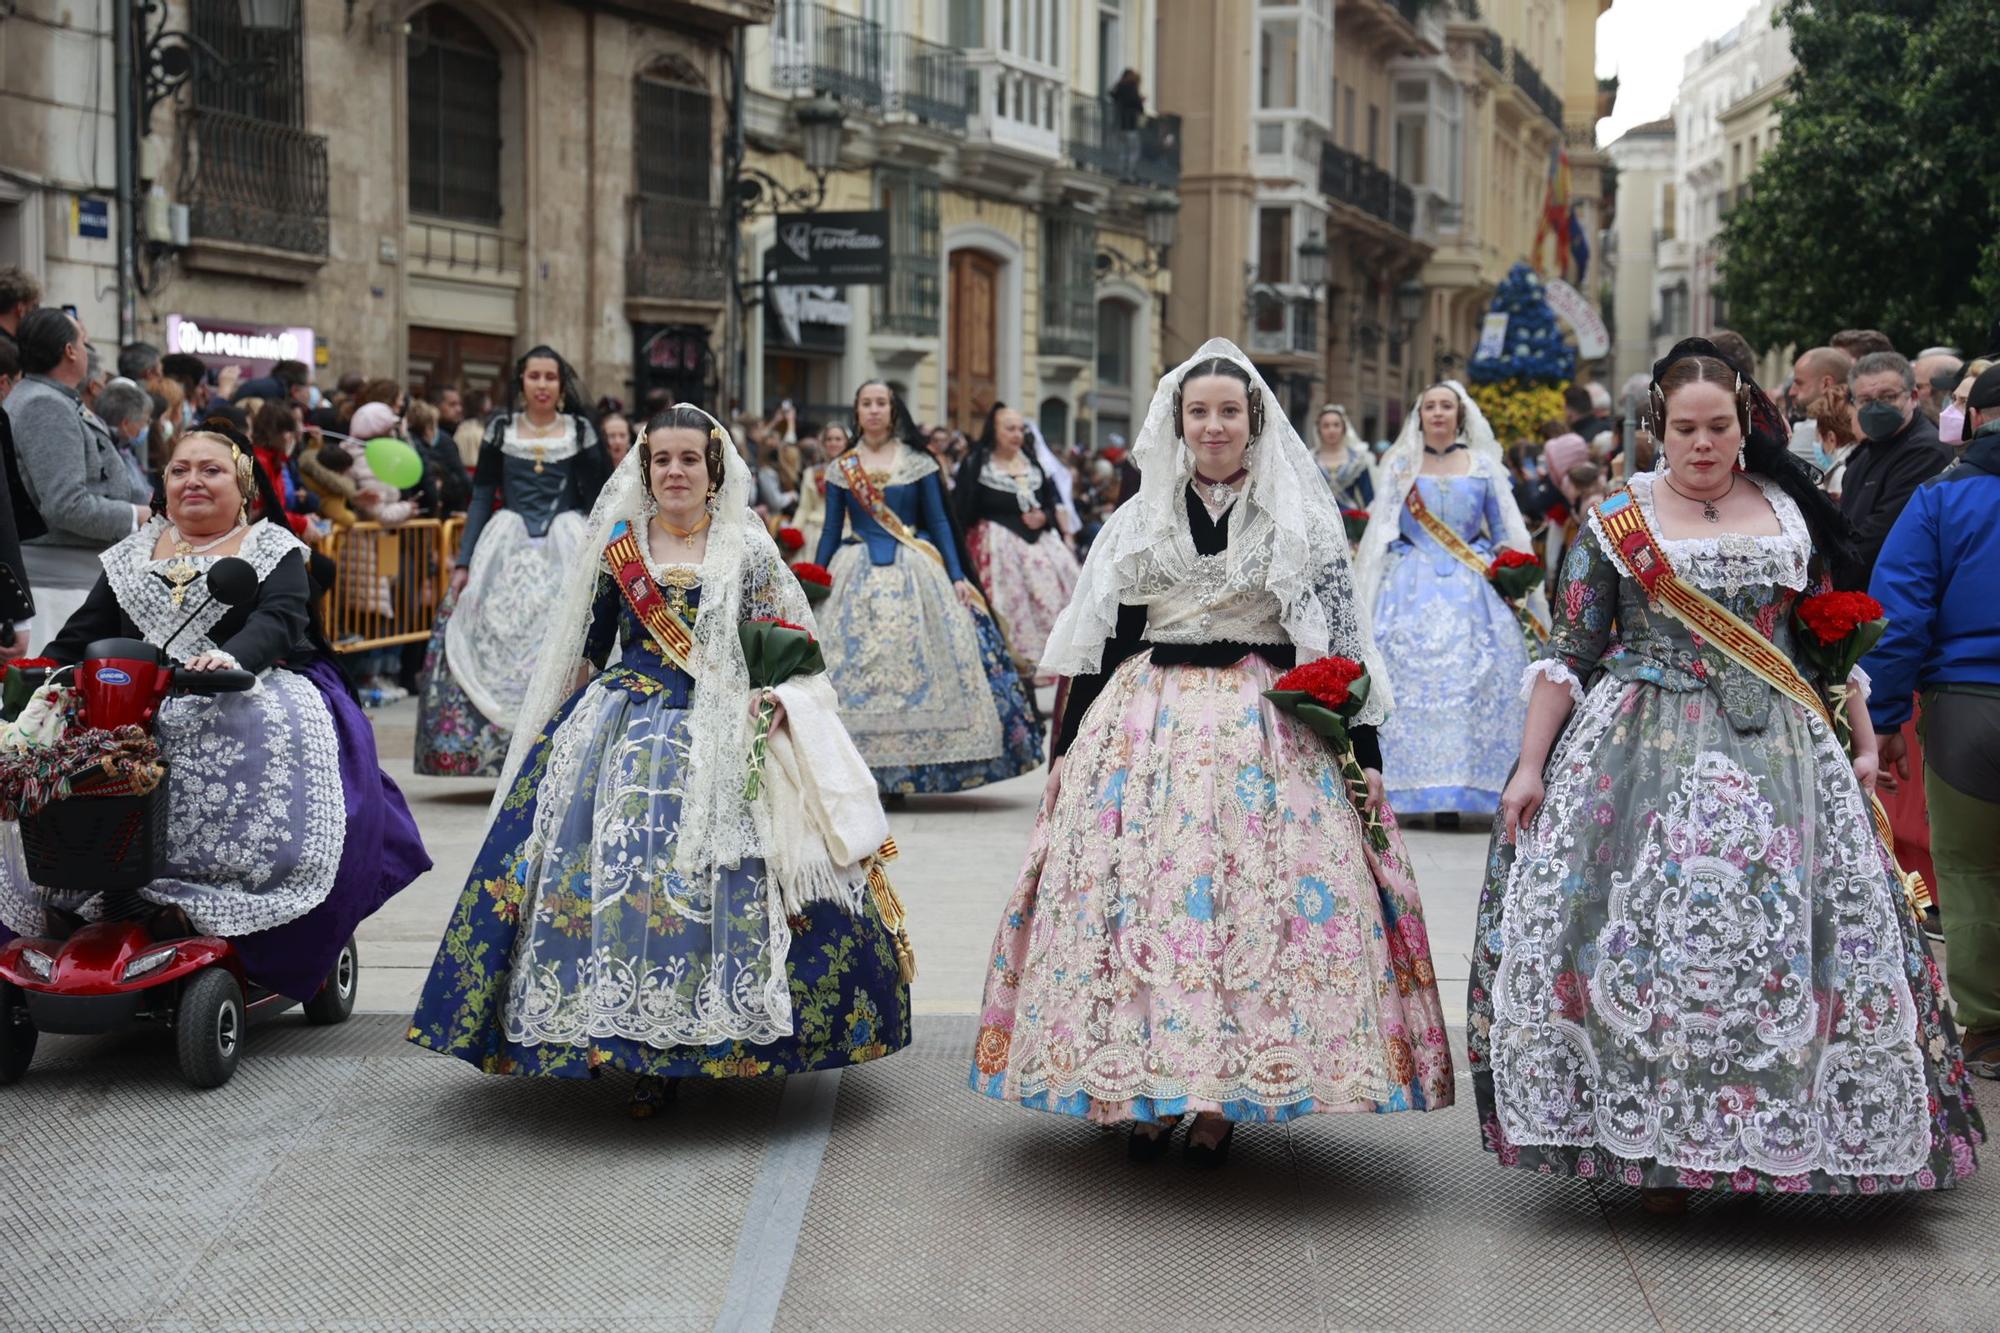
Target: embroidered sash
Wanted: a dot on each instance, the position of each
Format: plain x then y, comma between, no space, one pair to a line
628,566
863,488
1461,550
1639,550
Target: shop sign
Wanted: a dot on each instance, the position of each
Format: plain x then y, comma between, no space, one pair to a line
255,347
833,249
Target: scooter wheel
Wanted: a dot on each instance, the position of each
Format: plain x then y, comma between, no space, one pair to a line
17,1034
335,1001
208,1028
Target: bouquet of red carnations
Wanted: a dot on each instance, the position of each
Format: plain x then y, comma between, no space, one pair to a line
1836,631
1356,522
1326,695
790,539
815,580
1514,574
774,651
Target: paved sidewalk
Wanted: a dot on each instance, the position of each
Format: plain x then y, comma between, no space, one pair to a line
347,1180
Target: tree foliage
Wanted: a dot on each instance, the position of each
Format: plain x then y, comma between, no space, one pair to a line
1879,206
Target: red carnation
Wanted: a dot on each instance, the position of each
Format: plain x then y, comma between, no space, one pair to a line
1514,574
1326,680
791,538
1361,514
1832,616
808,572
1512,559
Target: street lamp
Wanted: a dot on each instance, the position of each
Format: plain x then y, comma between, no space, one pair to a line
1163,219
169,59
1312,262
821,124
1410,301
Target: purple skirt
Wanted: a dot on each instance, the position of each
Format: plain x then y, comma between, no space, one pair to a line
383,855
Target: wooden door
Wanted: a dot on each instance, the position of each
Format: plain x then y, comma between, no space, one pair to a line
973,377
464,361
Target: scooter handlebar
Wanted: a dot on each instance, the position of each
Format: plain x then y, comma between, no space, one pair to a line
223,680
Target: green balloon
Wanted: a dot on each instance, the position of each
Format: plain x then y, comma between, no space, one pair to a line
394,462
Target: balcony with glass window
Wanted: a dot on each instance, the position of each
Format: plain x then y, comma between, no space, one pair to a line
675,250
1015,91
1407,27
1283,324
256,193
818,51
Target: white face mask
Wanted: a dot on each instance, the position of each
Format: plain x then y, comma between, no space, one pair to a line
1805,443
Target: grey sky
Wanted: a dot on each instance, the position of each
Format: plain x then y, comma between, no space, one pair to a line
1645,43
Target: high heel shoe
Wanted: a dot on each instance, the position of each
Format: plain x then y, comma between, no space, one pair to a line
1209,1156
651,1095
1151,1147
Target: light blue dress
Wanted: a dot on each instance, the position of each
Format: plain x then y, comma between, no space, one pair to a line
1455,657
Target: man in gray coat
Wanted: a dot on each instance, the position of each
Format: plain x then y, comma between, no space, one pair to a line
76,482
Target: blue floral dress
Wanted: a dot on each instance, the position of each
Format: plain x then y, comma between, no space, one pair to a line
1454,653
576,944
928,689
1697,970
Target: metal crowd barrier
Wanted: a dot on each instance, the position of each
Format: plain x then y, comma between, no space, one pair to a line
390,581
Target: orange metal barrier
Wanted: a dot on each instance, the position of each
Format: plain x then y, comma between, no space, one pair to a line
390,581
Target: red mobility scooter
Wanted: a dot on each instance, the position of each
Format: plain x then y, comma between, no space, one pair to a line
136,963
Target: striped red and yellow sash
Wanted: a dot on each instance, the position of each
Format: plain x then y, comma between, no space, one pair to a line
1639,550
863,488
628,566
1461,550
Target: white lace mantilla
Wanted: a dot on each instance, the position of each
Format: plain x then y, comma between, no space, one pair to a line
132,572
543,449
911,465
1732,561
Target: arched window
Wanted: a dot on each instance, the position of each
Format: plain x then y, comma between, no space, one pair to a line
454,118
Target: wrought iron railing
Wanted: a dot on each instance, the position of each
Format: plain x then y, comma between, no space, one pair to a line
675,250
1348,179
820,50
254,182
1529,80
927,82
911,307
1146,153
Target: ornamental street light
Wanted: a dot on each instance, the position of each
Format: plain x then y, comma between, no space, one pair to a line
821,125
1163,216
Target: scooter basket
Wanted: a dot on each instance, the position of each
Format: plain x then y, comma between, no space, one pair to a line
89,842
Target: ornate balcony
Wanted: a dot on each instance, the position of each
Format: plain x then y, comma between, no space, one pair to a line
675,250
926,82
1529,80
1347,179
251,182
821,51
1149,153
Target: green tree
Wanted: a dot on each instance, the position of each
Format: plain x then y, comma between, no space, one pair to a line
1879,207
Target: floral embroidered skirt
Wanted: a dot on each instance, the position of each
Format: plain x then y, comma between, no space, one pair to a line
454,739
1454,654
927,689
1027,583
1697,971
576,944
1202,926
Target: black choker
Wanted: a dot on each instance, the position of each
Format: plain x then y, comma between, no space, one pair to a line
1440,453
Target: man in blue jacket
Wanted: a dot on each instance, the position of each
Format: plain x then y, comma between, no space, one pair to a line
1935,577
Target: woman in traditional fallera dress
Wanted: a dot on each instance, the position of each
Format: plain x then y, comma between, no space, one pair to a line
1007,505
544,457
1695,969
926,685
283,833
1453,647
1202,926
631,905
1344,459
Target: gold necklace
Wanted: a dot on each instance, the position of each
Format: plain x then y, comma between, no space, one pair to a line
539,441
686,537
182,572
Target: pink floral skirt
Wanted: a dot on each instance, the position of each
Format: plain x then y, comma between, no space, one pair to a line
1027,583
1202,926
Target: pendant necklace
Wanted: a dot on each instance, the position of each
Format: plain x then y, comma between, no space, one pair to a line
686,535
1708,509
1218,493
538,441
181,571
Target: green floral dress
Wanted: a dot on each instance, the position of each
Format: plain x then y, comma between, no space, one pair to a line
1697,969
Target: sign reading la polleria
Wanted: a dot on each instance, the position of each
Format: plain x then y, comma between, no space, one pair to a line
832,249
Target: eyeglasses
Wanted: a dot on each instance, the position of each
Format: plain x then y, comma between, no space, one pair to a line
1891,398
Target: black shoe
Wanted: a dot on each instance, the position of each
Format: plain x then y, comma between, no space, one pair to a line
1445,821
1150,1147
1933,925
1209,1157
652,1095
